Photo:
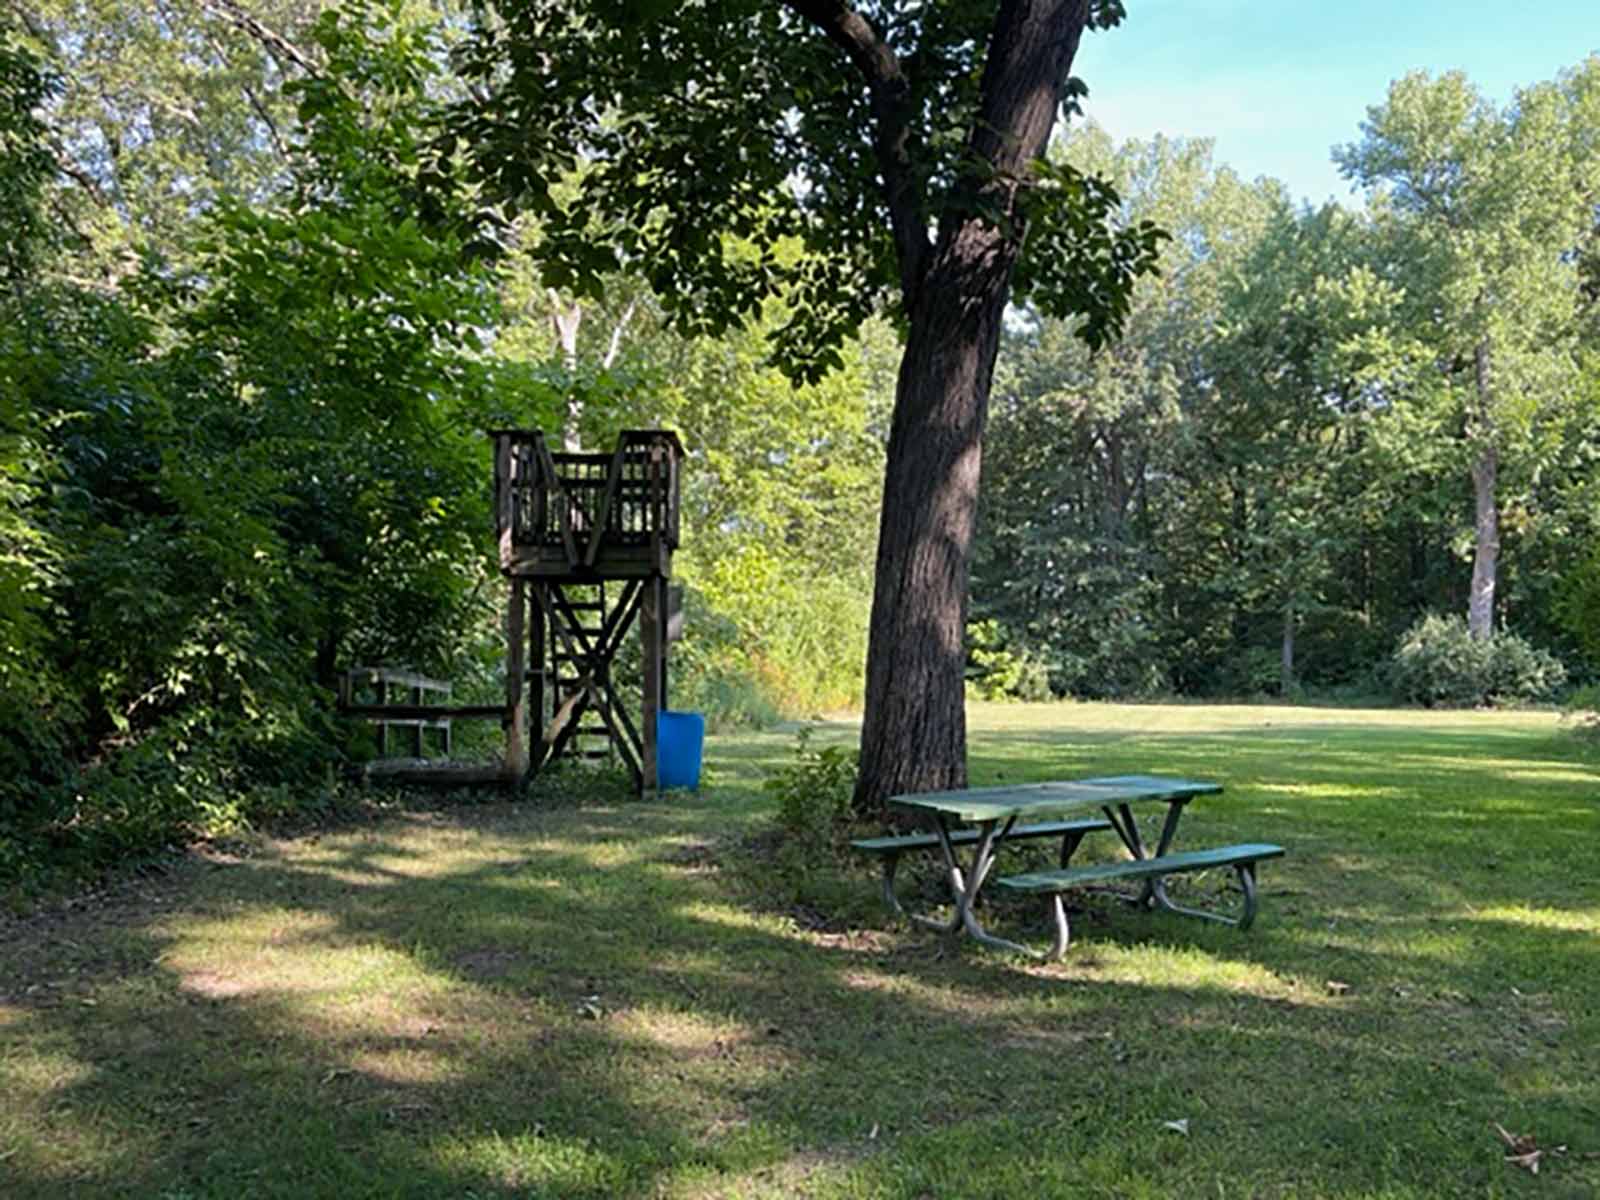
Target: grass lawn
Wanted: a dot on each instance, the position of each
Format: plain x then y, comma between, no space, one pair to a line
615,999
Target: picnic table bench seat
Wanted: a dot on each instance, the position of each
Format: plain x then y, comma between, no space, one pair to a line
890,847
1242,858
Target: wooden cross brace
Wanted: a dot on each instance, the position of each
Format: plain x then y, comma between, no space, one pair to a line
595,654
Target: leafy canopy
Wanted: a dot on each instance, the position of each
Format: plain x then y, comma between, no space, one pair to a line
703,137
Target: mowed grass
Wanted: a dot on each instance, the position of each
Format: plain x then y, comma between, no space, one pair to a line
624,999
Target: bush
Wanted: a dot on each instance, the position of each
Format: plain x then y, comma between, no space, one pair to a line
814,793
1577,607
1254,671
1438,662
1581,712
998,671
710,670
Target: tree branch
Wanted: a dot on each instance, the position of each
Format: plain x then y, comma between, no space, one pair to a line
890,90
275,44
1024,73
29,21
79,176
255,101
617,331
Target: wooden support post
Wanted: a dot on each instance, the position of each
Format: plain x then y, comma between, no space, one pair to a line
537,657
653,640
516,762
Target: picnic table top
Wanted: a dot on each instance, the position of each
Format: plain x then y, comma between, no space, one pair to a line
1057,798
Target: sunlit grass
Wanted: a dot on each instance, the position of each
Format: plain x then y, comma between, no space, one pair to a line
625,999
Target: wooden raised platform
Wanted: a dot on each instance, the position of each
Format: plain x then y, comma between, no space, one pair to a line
567,524
563,516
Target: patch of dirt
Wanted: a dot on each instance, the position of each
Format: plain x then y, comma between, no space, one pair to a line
872,941
487,963
694,857
216,986
792,1175
1023,1038
413,1028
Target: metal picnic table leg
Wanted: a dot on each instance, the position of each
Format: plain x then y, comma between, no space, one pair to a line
890,863
966,896
1156,889
962,888
1058,908
1154,892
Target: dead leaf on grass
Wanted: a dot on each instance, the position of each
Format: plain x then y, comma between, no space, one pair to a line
1181,1125
1525,1151
1336,988
1518,1143
1528,1162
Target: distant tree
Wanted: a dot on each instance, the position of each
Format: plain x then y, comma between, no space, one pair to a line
1483,211
26,166
27,554
1102,474
164,108
1299,331
899,144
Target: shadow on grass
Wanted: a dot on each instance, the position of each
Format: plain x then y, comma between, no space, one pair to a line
505,1002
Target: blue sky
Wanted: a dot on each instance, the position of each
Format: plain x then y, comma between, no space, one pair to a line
1277,83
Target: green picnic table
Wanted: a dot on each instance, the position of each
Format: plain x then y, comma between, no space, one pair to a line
996,811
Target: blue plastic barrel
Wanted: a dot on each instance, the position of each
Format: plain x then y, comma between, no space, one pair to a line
680,738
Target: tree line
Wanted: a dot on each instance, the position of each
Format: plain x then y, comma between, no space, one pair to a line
269,270
1323,426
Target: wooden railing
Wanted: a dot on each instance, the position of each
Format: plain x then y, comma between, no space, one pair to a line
425,705
565,515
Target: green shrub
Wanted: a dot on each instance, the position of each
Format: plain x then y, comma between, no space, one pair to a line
1581,712
998,670
813,793
711,671
1439,663
1577,607
1254,671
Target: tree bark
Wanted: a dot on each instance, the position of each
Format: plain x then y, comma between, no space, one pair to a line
565,321
1286,652
1486,548
914,733
1486,526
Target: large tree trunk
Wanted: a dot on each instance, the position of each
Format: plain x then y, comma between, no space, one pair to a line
914,733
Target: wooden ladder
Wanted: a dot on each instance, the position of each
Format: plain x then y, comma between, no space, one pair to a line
591,739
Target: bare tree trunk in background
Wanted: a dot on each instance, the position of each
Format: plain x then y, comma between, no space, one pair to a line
1486,526
566,320
1286,654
